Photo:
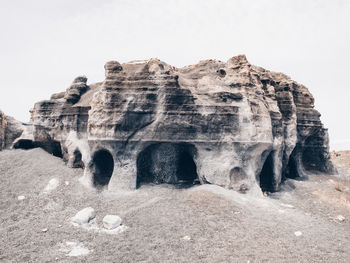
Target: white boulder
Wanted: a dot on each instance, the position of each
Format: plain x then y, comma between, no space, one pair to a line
84,216
52,185
111,222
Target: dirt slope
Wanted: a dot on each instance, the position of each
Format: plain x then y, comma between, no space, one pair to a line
220,225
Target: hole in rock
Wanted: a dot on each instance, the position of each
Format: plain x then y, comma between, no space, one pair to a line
77,161
292,169
222,72
25,144
168,163
266,177
102,168
52,147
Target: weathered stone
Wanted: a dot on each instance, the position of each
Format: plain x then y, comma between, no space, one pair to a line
10,129
84,216
52,185
77,88
111,221
232,124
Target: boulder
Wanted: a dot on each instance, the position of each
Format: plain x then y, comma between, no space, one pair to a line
84,216
111,222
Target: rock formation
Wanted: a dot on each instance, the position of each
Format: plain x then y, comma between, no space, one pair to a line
232,124
10,129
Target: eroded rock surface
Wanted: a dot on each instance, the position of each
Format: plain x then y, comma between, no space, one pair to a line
10,129
228,123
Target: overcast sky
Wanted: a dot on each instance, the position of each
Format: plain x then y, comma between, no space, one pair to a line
45,44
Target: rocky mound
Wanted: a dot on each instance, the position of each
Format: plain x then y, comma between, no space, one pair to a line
232,124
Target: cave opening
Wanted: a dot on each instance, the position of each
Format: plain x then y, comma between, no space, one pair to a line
50,146
77,159
102,168
267,181
24,144
291,170
167,163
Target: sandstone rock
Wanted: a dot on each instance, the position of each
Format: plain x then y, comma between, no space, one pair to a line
10,129
84,216
232,124
77,88
111,221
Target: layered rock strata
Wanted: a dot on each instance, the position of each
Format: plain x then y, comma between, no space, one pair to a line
232,124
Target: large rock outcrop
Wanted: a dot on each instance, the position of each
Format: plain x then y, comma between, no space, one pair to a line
10,130
232,124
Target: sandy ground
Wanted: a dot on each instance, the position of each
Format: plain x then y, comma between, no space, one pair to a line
200,224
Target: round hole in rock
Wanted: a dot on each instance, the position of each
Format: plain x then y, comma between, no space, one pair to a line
102,168
168,163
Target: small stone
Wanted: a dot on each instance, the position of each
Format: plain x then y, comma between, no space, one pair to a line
44,230
298,233
111,222
340,218
84,216
21,197
187,238
66,183
52,185
287,205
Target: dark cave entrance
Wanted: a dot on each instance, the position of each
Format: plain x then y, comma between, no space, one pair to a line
312,154
266,177
291,170
24,144
167,163
77,159
102,168
51,146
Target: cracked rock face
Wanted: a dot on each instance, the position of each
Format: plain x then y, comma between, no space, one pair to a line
232,124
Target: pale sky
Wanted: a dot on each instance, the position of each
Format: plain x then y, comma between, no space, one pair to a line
46,44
